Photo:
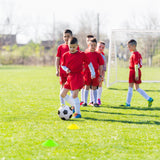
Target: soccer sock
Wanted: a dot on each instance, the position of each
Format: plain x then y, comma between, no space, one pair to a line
99,92
85,95
71,92
69,99
95,96
62,101
82,94
129,95
91,95
143,93
77,105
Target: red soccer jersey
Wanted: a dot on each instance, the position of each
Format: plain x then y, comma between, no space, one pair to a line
96,60
135,59
63,48
74,61
103,53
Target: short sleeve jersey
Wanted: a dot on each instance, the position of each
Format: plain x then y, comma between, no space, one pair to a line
74,61
96,59
135,59
63,48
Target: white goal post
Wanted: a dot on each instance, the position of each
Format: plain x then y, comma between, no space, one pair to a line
148,44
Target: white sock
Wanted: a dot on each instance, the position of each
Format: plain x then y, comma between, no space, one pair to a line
69,99
77,105
95,96
143,93
71,93
99,92
82,94
62,101
85,95
91,95
129,95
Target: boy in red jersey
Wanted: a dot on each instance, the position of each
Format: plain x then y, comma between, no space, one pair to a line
72,64
135,63
98,63
88,37
60,51
100,50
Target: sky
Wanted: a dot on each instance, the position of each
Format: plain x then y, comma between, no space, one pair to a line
40,13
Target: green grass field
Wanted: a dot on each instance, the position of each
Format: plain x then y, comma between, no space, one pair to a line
29,100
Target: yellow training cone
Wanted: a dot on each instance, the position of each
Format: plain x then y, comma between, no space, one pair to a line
73,126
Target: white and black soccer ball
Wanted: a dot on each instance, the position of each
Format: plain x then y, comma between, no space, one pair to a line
65,112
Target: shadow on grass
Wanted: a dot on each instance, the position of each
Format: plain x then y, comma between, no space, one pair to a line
122,89
114,113
135,108
124,121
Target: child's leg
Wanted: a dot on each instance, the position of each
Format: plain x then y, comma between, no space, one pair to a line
142,92
76,104
94,94
82,94
99,93
62,101
86,94
76,101
91,95
130,93
66,97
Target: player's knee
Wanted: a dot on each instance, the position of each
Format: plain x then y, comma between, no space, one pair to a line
62,94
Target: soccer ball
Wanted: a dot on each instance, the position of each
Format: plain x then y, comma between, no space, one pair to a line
65,112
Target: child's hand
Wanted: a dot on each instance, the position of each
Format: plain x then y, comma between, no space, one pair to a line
93,76
68,71
57,73
136,78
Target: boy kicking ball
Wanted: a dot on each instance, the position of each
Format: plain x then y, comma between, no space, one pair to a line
72,64
135,63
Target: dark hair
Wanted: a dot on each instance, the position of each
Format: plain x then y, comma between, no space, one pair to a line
90,36
68,31
73,40
102,42
93,40
132,42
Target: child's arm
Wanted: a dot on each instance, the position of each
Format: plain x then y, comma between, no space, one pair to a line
57,65
100,70
91,68
66,69
136,72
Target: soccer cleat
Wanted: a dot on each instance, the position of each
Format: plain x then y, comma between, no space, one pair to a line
96,105
99,101
76,115
73,109
84,104
81,103
90,103
150,102
126,105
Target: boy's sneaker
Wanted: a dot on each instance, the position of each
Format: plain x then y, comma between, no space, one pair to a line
99,101
76,115
73,109
84,104
96,105
90,103
126,105
81,103
150,102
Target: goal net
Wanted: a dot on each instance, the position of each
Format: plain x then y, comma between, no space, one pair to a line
148,44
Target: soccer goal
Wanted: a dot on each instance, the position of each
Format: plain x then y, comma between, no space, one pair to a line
148,44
